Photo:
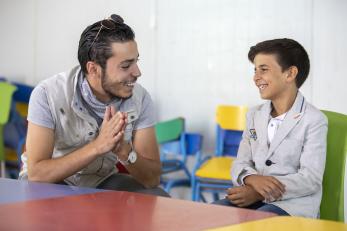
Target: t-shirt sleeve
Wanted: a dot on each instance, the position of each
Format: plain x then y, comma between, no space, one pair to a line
39,112
147,114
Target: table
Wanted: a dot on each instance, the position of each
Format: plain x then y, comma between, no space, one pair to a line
20,190
116,210
287,224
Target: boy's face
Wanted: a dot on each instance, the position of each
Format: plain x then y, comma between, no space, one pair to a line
268,77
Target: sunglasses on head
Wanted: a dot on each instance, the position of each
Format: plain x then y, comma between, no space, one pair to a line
108,24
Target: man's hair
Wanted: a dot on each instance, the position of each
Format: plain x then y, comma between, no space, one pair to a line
100,49
288,52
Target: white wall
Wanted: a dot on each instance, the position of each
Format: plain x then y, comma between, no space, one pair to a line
193,52
329,49
40,37
202,53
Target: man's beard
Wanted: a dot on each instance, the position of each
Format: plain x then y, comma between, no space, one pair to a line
108,87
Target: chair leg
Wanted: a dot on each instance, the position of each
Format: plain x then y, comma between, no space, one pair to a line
215,196
167,187
203,199
187,172
193,187
2,169
198,193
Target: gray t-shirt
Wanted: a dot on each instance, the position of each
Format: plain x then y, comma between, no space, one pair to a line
39,111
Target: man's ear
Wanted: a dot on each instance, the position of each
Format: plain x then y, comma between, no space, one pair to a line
292,72
92,68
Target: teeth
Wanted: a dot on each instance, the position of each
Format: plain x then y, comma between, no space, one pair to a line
130,84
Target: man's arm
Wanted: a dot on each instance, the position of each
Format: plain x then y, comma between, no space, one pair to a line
147,168
40,144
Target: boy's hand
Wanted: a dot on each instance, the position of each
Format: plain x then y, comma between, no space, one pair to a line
243,196
268,186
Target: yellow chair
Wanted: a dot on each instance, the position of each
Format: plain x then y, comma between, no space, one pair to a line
6,92
212,174
285,223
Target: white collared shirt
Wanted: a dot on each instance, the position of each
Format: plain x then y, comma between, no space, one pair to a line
273,126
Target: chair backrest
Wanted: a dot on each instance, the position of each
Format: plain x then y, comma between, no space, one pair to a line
6,91
193,143
231,117
231,121
21,98
332,205
169,130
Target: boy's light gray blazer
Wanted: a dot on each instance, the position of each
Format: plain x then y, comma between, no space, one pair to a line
297,153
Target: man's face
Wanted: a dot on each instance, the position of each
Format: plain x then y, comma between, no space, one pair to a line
122,71
268,76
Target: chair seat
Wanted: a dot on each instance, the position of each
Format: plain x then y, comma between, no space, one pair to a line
216,168
10,155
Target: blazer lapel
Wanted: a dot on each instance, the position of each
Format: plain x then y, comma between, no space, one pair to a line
261,119
293,116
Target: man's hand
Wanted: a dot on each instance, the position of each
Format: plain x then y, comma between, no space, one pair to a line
268,186
122,150
111,131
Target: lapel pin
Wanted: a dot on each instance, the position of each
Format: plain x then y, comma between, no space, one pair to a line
253,134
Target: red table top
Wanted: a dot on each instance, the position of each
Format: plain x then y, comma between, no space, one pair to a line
120,211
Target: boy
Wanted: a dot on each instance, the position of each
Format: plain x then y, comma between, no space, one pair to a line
280,163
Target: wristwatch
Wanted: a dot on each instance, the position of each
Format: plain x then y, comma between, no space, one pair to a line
132,157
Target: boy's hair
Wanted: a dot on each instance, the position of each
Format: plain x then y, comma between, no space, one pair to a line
96,41
288,53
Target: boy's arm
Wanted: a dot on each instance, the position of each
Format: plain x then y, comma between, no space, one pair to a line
309,177
243,165
243,196
244,173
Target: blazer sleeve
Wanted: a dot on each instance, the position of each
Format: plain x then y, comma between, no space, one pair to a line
243,165
308,179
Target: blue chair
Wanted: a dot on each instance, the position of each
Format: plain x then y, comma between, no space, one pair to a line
16,127
6,91
212,173
175,147
19,114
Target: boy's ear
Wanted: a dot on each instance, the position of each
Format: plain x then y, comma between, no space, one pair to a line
292,72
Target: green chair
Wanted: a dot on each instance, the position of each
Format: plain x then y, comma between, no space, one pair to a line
175,146
332,205
6,92
169,130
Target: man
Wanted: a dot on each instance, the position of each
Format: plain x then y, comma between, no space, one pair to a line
281,158
82,122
